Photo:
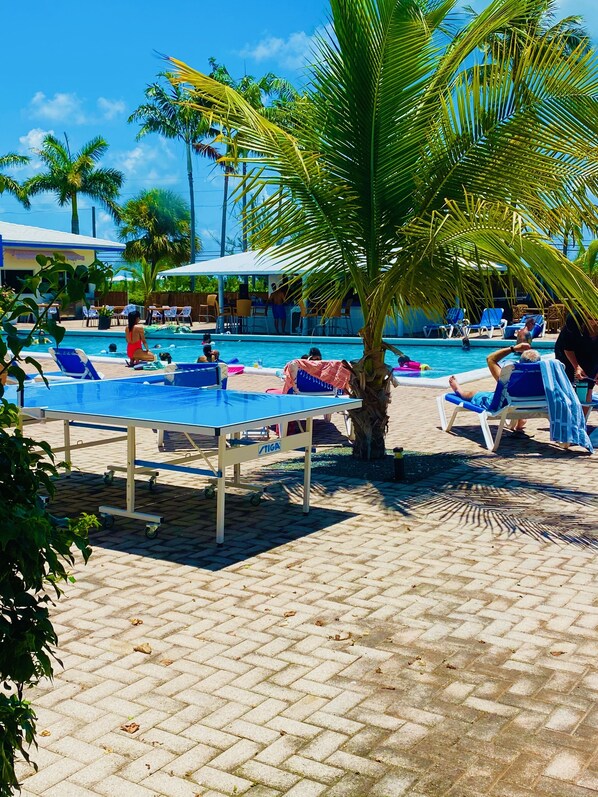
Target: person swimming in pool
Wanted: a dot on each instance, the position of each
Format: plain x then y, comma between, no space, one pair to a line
112,348
209,355
137,349
314,354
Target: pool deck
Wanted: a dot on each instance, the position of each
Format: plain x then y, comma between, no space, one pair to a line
426,639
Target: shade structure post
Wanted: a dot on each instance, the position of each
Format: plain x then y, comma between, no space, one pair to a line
220,320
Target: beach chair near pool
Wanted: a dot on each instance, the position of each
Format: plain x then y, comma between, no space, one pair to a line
452,321
90,314
185,315
316,378
538,331
124,313
74,363
492,318
520,393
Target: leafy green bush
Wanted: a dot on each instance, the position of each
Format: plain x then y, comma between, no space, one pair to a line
36,549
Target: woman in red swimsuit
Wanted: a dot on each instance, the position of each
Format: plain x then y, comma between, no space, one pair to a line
137,350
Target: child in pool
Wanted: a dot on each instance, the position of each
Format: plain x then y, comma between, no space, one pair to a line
210,355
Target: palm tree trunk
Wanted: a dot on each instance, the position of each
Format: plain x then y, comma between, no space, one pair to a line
191,206
222,248
371,381
244,205
74,215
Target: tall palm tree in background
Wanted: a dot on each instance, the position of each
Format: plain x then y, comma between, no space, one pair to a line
167,113
270,95
417,163
155,226
7,183
68,176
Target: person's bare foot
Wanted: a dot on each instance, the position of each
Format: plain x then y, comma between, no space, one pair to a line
453,384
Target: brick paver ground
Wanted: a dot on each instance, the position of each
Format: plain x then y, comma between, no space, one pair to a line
436,638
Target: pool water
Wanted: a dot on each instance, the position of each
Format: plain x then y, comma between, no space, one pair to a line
442,359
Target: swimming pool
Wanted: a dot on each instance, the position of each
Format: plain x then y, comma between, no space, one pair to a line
443,357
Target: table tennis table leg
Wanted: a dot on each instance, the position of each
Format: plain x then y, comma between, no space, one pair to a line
67,446
131,469
309,426
220,490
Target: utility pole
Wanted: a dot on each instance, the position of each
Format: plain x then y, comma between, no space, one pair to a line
93,221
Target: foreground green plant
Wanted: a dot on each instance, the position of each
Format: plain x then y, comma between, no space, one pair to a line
429,146
36,549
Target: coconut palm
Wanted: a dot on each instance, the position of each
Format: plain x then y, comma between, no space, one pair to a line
69,176
270,95
417,162
155,228
7,182
167,113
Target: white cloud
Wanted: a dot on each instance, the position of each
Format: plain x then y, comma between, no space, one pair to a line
33,140
147,165
110,108
291,53
28,143
62,107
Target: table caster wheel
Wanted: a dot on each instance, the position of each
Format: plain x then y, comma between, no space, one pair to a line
255,499
151,531
209,491
109,477
107,521
152,484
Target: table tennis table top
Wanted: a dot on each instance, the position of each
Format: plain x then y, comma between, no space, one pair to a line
135,403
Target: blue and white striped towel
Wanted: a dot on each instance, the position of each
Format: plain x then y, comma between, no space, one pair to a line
567,420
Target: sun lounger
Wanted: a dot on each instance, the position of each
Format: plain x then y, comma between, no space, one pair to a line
453,321
519,394
74,363
492,318
510,331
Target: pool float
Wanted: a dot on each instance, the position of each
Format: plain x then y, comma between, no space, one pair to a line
412,365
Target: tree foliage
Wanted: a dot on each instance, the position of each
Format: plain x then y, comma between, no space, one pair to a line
420,156
168,114
8,183
155,227
67,176
36,549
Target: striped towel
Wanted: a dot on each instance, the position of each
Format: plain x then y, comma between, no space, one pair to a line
567,420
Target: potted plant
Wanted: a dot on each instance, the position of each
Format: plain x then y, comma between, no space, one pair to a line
105,317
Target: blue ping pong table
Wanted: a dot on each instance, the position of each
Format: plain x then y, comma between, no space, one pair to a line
226,416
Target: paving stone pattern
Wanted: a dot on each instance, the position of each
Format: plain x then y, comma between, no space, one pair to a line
430,639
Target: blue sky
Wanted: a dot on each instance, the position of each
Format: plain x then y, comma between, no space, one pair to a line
82,68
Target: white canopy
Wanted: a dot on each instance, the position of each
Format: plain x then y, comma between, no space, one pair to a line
244,264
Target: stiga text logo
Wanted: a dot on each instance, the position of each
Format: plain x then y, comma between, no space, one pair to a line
269,448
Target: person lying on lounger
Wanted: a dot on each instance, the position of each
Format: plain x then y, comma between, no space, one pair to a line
483,398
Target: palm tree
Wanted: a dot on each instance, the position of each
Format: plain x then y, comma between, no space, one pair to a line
155,226
68,176
8,183
416,164
167,112
271,96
